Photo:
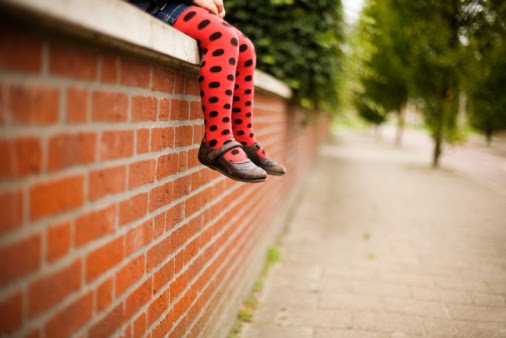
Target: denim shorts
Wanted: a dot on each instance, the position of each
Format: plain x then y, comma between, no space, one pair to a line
171,11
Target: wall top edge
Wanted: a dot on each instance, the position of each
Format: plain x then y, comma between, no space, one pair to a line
118,21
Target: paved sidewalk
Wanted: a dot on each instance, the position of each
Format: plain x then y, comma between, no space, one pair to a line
380,245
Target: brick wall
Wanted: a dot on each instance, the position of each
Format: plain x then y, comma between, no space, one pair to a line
109,226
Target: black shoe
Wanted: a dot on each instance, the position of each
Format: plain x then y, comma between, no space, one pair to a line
245,171
271,167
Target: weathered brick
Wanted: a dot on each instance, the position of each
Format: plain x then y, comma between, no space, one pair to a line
103,295
94,225
69,319
58,241
66,150
116,144
140,173
19,258
164,109
163,275
160,196
20,157
133,208
162,138
135,73
182,187
11,210
11,309
47,291
72,61
184,136
129,274
139,327
144,108
163,79
109,324
191,86
107,181
143,141
109,107
178,285
157,307
167,165
179,109
57,196
158,253
77,105
159,225
20,51
139,236
110,69
138,298
104,258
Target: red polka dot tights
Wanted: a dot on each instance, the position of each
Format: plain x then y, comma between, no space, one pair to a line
226,79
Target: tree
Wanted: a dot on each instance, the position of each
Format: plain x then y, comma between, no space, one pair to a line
299,42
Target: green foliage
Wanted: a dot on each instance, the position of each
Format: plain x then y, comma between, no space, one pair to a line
297,41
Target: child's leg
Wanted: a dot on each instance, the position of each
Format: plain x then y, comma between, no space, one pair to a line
242,108
220,48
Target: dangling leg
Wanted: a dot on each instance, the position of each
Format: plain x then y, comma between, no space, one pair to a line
242,107
220,47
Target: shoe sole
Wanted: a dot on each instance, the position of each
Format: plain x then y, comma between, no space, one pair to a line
274,173
260,180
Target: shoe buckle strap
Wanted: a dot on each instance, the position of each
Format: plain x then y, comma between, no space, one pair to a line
218,152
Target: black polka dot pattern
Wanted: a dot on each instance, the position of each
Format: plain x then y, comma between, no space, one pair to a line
203,24
215,36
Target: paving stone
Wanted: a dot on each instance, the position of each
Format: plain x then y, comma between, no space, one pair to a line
478,313
274,331
391,323
316,318
327,333
349,301
415,307
441,295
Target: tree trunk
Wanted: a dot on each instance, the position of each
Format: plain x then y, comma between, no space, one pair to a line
438,148
489,130
401,123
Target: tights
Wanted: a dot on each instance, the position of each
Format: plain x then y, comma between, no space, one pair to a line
225,79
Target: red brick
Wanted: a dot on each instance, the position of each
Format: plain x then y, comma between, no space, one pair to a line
103,295
162,138
94,225
34,334
66,150
109,107
71,318
181,306
179,109
179,84
19,258
19,50
193,204
160,196
49,290
184,136
144,108
183,161
11,210
141,173
167,165
133,208
140,326
193,160
109,324
138,237
138,298
177,286
104,258
34,104
195,110
57,196
127,333
20,157
163,327
106,182
135,73
157,307
158,253
163,79
182,187
58,241
164,109
72,61
11,309
116,144
129,274
191,86
77,105
142,141
110,69
163,276
159,225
